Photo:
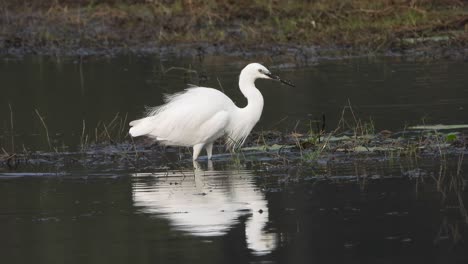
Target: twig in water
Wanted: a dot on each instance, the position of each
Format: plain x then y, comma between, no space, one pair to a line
83,136
220,85
107,132
45,127
123,126
95,135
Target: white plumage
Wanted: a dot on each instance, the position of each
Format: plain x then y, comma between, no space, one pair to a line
198,116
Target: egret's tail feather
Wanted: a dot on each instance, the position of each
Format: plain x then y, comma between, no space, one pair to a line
134,122
140,127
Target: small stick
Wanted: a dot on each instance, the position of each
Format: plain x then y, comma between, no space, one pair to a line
123,126
111,124
45,127
107,132
220,85
82,135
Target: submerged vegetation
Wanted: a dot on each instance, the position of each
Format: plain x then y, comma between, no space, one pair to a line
57,26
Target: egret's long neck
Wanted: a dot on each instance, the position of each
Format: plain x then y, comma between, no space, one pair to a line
254,97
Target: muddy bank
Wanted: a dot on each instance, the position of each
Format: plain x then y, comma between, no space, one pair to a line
300,30
271,151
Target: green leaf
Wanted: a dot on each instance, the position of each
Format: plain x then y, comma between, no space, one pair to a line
451,137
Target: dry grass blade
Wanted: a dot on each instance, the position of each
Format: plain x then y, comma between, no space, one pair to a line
45,128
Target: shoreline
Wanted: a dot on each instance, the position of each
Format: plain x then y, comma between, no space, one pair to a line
294,54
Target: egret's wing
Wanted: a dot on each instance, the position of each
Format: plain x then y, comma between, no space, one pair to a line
187,118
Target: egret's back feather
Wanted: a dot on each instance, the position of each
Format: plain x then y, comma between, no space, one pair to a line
180,119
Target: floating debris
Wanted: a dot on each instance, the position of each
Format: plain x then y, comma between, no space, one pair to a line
439,127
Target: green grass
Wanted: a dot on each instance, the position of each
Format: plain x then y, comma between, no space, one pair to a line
358,24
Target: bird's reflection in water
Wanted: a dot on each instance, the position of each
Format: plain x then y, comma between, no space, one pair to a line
207,203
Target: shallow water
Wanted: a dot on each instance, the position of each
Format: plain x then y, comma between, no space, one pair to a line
99,207
72,94
358,214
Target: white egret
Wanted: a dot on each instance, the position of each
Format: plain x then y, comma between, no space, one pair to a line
198,116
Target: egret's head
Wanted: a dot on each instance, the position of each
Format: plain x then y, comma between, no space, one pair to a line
259,71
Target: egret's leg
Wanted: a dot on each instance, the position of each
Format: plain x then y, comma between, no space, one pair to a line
196,150
209,150
196,166
210,165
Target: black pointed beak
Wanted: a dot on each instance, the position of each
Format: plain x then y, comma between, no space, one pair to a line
274,77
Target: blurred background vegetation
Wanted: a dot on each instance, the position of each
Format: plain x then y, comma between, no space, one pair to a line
361,24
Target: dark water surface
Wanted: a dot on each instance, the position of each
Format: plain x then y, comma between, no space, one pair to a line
339,210
391,92
360,214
